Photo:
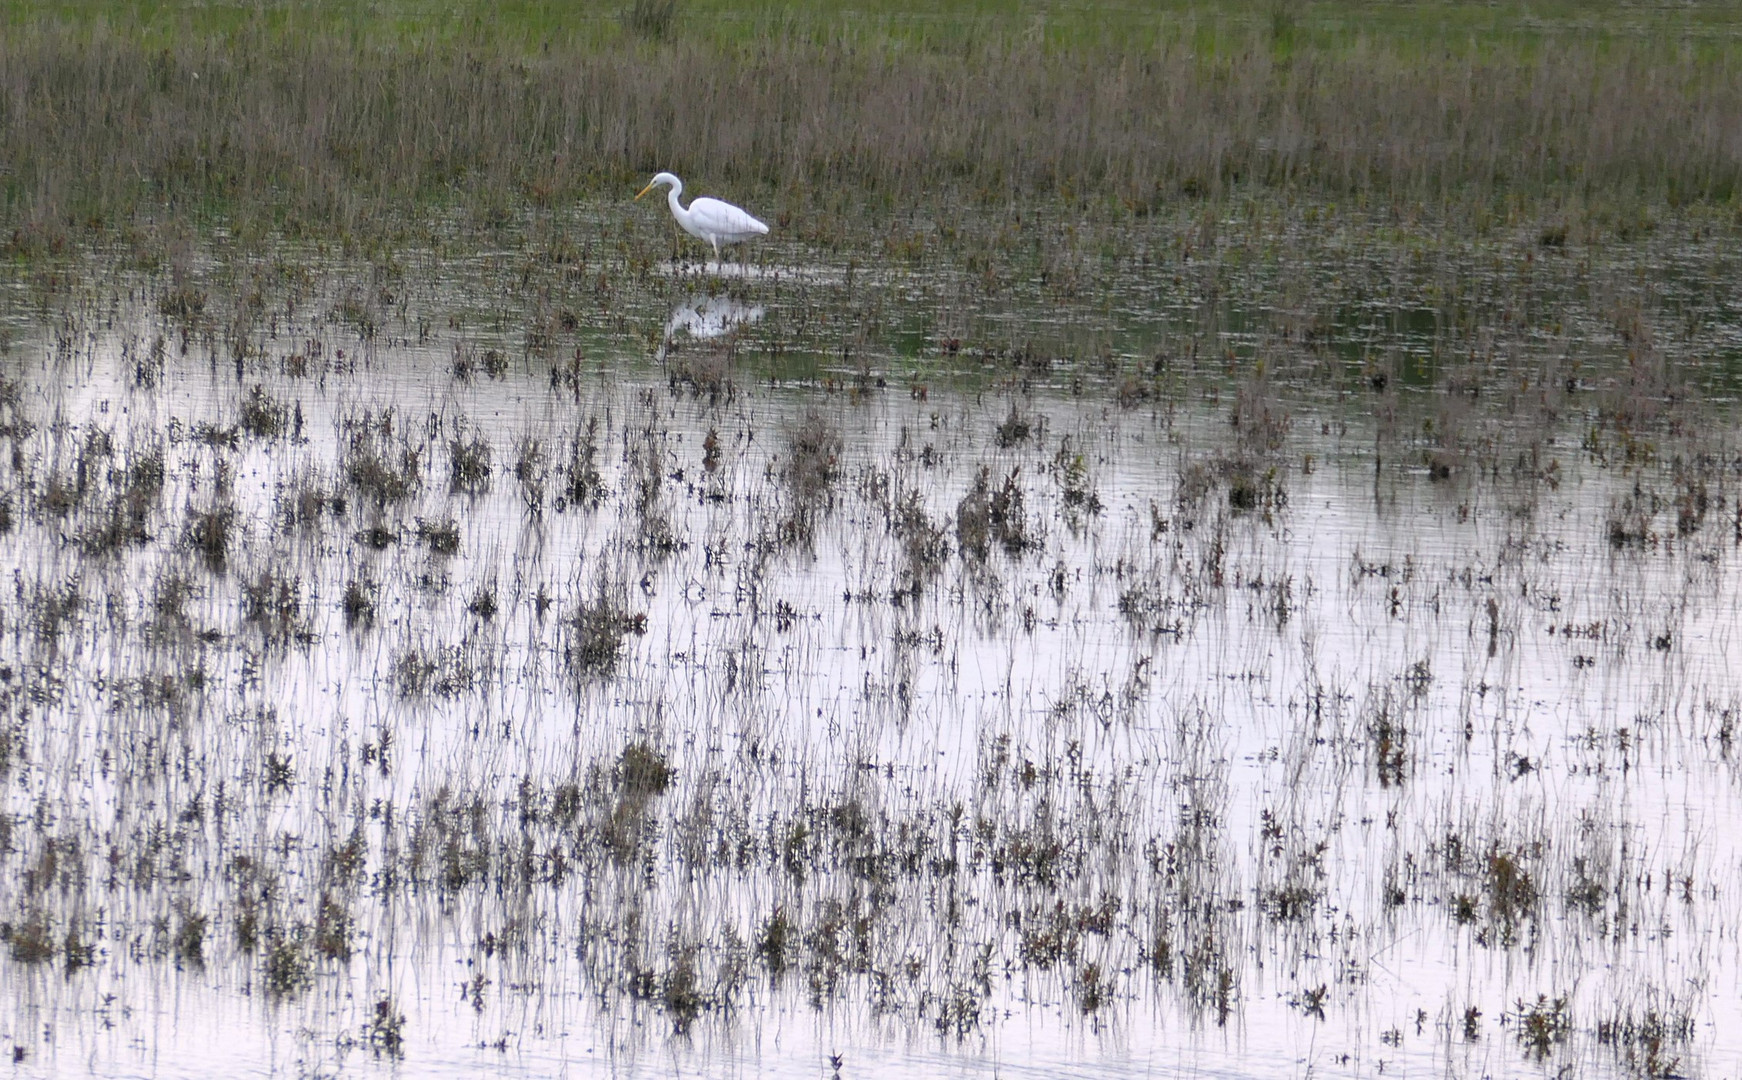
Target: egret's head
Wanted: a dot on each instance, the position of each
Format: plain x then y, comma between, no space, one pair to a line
658,179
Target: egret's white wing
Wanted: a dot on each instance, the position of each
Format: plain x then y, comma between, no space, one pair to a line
724,220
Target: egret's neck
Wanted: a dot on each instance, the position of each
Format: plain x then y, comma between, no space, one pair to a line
671,195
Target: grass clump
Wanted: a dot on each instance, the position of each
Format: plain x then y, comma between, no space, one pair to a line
469,466
332,933
441,537
987,514
190,939
1512,889
358,603
583,485
384,1031
776,940
593,636
273,606
378,466
813,457
643,772
288,969
1014,430
208,533
31,942
531,471
1543,1024
812,463
1651,1038
263,417
123,520
705,374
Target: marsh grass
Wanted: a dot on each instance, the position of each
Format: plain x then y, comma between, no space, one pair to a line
651,19
308,129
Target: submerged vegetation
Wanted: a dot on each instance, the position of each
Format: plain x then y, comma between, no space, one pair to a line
1195,529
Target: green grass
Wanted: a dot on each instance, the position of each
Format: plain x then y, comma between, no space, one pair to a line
312,115
531,25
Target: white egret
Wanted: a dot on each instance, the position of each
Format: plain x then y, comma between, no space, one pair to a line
707,219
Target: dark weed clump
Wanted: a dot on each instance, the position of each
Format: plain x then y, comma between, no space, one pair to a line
583,486
441,537
469,466
123,519
677,991
1387,736
594,634
263,417
1542,1024
924,546
642,772
305,504
1076,485
443,672
190,939
1014,430
384,1031
1652,1039
333,929
376,537
1630,520
288,968
1512,888
483,602
776,942
273,606
988,515
1250,489
813,454
378,467
531,472
208,533
30,942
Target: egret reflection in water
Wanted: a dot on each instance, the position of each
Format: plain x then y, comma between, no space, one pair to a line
710,317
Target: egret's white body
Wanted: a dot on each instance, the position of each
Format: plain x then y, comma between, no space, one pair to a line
707,219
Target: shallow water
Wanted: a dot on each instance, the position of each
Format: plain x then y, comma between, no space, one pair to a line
1235,752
